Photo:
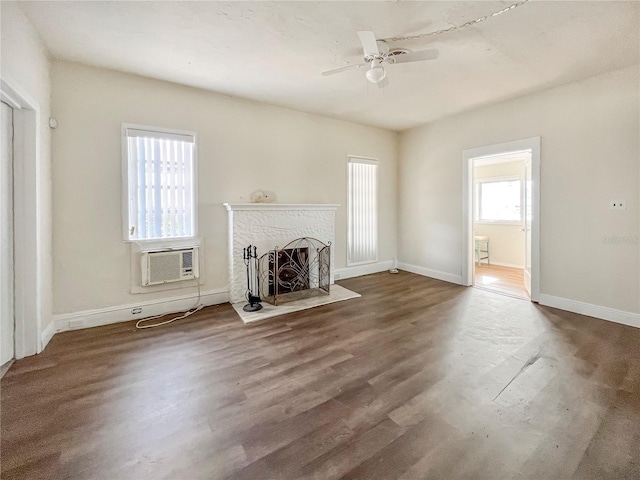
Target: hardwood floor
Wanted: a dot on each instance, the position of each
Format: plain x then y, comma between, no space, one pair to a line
416,379
506,280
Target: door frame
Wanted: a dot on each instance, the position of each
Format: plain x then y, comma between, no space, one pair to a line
468,155
30,240
7,180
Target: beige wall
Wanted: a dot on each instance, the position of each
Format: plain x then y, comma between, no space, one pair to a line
589,154
506,242
590,151
25,67
243,146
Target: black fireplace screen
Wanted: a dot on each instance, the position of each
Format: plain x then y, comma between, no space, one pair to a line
299,270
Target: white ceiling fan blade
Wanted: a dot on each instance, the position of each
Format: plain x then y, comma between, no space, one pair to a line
368,40
342,69
416,56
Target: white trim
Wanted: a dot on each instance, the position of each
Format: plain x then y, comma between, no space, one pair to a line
363,269
10,96
160,134
168,244
47,335
596,311
361,159
122,313
150,128
502,264
280,206
29,215
359,264
532,144
499,178
500,222
497,158
431,273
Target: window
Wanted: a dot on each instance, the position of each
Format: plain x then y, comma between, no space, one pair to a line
499,201
160,183
363,211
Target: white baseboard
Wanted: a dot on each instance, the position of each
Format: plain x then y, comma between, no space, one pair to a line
47,335
428,272
596,311
359,270
502,264
123,313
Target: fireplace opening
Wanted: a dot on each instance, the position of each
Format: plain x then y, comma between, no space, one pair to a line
290,269
299,270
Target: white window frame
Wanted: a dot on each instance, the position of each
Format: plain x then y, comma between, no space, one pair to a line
126,186
370,161
478,200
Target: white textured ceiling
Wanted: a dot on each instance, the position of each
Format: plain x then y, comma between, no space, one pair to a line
274,52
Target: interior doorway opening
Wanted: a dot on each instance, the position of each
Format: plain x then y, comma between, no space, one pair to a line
31,289
501,194
499,223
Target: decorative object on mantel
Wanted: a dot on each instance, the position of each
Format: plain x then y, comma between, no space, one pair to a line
299,270
263,196
250,257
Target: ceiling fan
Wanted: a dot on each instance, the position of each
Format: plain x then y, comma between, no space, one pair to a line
376,53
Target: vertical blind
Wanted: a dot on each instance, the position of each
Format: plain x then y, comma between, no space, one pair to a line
363,211
161,184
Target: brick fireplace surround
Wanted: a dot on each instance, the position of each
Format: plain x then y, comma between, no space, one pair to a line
271,225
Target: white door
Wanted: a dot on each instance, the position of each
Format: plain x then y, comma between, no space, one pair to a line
7,319
528,216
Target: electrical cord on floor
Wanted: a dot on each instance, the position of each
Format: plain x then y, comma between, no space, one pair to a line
191,311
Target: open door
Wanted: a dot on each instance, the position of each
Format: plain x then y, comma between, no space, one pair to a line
531,199
528,215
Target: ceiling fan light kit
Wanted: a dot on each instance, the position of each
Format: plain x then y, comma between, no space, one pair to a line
376,72
376,52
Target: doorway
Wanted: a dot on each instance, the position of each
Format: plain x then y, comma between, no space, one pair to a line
501,218
498,223
7,313
31,289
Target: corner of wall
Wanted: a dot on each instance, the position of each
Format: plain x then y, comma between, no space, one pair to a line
26,64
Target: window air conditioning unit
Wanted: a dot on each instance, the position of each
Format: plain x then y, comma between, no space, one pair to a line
167,266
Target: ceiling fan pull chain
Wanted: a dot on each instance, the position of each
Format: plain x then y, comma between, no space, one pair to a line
457,27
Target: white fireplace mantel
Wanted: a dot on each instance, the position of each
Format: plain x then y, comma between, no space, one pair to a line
270,225
281,206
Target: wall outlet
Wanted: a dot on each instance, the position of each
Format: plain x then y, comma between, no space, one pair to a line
136,311
617,205
77,323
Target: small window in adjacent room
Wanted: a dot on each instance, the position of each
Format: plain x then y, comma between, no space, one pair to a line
499,201
160,173
362,211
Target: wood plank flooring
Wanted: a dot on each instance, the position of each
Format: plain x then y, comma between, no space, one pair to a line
506,280
416,379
